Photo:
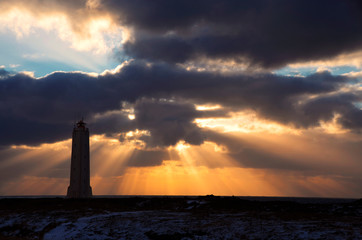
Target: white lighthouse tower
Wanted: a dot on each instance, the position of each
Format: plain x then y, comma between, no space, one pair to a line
79,186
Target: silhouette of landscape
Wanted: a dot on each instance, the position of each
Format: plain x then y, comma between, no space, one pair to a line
180,217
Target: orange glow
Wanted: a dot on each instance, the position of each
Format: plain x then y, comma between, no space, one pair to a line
344,59
172,178
245,122
193,170
30,185
207,107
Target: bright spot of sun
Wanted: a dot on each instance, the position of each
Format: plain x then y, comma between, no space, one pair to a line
182,146
207,107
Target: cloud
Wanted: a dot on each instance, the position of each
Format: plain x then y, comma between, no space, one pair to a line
344,59
75,22
324,108
164,122
142,158
3,72
267,34
168,122
33,111
354,74
34,56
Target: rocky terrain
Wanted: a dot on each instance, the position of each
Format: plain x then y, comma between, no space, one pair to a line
206,217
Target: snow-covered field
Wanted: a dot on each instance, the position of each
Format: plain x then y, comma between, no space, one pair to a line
178,218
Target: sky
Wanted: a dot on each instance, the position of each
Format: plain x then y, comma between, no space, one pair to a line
223,97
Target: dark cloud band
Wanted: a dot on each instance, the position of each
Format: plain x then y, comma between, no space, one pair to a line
262,33
34,111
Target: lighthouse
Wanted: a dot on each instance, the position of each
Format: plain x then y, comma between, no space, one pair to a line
79,186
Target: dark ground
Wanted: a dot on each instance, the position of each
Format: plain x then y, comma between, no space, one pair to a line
206,217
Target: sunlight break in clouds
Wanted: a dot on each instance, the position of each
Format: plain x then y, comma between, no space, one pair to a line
98,34
345,59
246,122
209,97
189,170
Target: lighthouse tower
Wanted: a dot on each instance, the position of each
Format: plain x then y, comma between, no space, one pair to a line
79,186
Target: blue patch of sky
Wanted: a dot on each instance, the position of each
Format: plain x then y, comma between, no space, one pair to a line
43,52
305,71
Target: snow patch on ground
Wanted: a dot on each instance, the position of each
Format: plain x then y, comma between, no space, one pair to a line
182,219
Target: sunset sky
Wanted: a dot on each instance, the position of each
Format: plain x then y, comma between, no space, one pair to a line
251,98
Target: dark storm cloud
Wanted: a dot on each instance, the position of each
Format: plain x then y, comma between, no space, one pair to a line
264,33
111,123
168,122
33,111
3,72
324,108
